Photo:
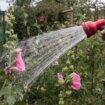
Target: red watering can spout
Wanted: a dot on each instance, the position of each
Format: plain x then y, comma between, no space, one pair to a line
91,28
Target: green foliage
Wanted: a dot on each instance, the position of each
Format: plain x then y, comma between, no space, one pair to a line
27,17
9,92
50,9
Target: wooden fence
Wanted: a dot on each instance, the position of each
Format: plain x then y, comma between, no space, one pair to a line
2,27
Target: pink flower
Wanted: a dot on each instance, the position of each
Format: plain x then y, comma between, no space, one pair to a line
41,19
8,71
76,81
61,81
20,66
60,77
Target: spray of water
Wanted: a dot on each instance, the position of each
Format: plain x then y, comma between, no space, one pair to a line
39,52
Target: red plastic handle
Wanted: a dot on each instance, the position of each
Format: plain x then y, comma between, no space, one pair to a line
91,28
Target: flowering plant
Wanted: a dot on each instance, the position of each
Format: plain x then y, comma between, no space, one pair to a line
41,18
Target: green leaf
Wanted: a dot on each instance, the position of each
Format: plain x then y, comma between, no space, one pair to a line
3,91
68,92
11,100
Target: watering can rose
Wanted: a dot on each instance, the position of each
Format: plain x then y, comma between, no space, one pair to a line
76,81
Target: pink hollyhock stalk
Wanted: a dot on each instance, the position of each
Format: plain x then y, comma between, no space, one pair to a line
20,66
76,81
60,77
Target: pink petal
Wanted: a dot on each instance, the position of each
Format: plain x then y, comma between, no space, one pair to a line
59,75
76,81
75,77
41,18
19,50
76,86
20,66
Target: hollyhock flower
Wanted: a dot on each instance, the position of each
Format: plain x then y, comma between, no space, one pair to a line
61,81
76,81
41,19
8,71
20,66
59,75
